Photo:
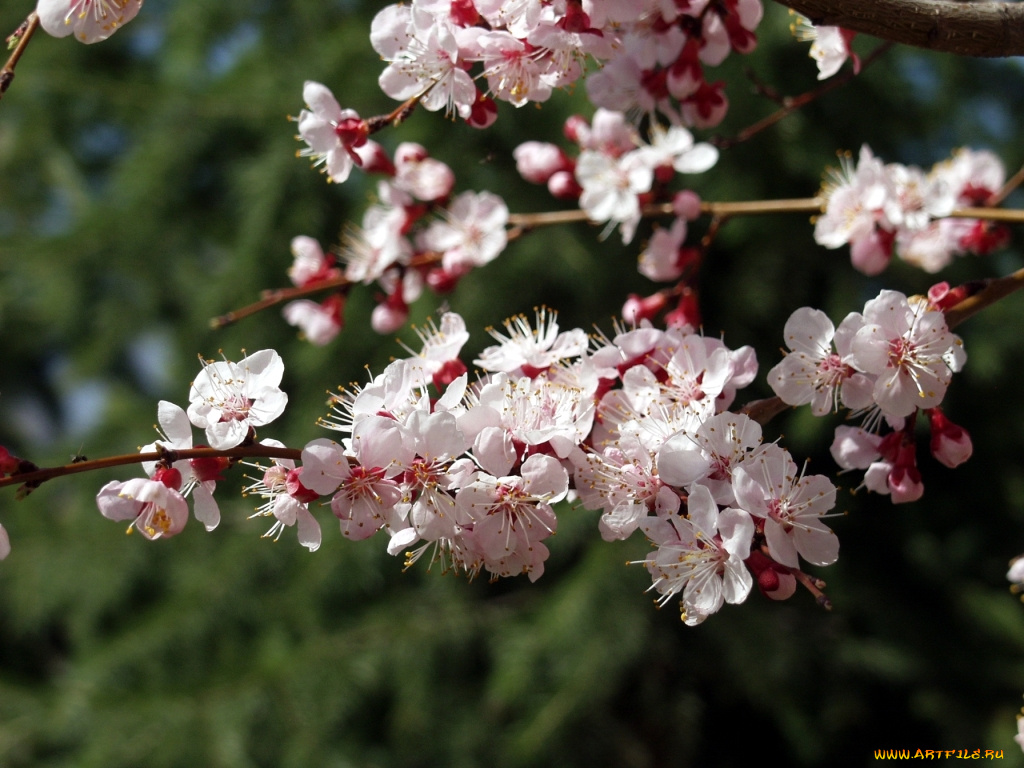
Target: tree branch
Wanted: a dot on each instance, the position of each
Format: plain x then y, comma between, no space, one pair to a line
968,29
25,32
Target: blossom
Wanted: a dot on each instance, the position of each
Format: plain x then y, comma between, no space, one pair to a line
812,372
318,323
227,399
701,556
531,350
155,507
331,133
424,60
287,499
472,233
830,47
199,475
310,265
89,20
5,543
612,188
905,348
769,487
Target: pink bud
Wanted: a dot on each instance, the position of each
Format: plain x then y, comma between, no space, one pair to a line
169,476
537,161
576,128
483,113
951,445
686,314
8,463
297,490
639,308
563,186
389,315
686,204
375,159
209,469
905,484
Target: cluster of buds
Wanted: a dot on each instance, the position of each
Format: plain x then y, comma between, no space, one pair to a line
880,209
889,362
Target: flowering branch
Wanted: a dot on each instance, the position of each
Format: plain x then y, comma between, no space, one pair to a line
35,477
23,34
967,29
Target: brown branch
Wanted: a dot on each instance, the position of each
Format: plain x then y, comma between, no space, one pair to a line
243,451
522,223
988,29
7,73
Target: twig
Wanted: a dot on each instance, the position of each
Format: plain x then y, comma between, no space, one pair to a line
996,289
241,452
1012,183
792,103
7,73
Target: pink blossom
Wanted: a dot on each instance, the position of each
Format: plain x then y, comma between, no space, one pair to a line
792,505
420,175
700,555
525,348
660,260
472,233
199,476
310,265
812,373
319,323
155,507
424,60
904,348
612,188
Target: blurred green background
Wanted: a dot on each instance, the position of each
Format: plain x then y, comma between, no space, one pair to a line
149,183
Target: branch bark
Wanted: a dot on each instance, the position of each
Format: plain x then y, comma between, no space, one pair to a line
986,29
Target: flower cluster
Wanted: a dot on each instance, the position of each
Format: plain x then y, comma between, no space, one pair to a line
417,234
887,363
616,172
652,54
880,209
467,475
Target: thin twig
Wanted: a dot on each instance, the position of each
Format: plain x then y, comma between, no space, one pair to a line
241,452
1012,183
792,103
7,73
521,223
